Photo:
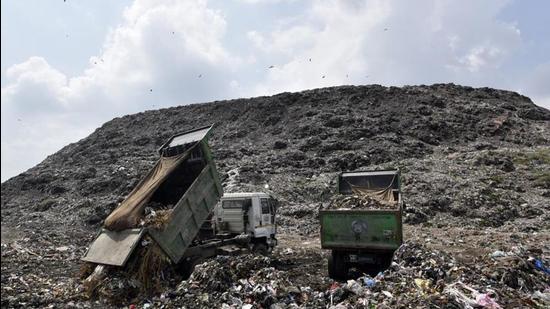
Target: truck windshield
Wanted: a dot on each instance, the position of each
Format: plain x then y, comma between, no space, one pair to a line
273,205
237,204
265,205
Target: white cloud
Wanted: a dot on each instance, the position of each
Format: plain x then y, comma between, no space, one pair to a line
155,56
479,57
388,42
537,85
264,1
47,85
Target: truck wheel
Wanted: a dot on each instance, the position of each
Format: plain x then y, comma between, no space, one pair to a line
185,269
385,262
337,268
260,248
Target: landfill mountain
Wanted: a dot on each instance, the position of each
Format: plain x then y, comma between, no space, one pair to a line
475,164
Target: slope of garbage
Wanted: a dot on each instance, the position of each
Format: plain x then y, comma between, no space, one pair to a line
475,166
418,277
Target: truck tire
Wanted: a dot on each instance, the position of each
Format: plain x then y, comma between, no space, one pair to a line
386,260
337,267
260,248
185,269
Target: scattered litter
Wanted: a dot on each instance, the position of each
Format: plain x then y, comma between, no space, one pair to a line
387,294
369,282
498,254
540,266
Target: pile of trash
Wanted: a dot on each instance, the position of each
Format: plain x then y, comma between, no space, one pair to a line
420,277
357,202
156,218
250,281
148,272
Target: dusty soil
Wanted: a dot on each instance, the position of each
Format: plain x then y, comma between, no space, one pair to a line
476,179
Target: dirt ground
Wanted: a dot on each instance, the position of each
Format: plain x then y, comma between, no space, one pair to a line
45,273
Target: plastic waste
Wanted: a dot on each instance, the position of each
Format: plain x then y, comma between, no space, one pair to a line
497,254
354,287
369,282
423,284
544,297
540,266
486,301
459,291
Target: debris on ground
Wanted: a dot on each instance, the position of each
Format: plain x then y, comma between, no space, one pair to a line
147,272
418,277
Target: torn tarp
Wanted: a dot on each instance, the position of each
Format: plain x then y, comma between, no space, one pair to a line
129,212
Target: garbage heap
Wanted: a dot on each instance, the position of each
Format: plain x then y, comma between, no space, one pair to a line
251,281
423,277
147,272
156,215
358,202
418,278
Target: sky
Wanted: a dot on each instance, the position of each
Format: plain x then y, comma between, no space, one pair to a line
69,66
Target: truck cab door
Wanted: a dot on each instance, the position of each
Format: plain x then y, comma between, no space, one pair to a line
233,215
265,208
273,208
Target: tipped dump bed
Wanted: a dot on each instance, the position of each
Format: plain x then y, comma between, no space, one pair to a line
184,181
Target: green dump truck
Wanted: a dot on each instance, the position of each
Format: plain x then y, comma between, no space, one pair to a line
364,238
185,186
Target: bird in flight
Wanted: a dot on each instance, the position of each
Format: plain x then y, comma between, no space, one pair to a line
386,29
323,76
271,67
200,75
151,90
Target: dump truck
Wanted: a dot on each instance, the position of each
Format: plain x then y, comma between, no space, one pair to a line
250,213
185,186
364,238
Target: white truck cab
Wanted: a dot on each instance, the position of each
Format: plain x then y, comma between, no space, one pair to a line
252,213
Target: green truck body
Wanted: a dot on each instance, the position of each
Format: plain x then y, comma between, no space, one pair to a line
190,212
377,230
363,237
194,189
